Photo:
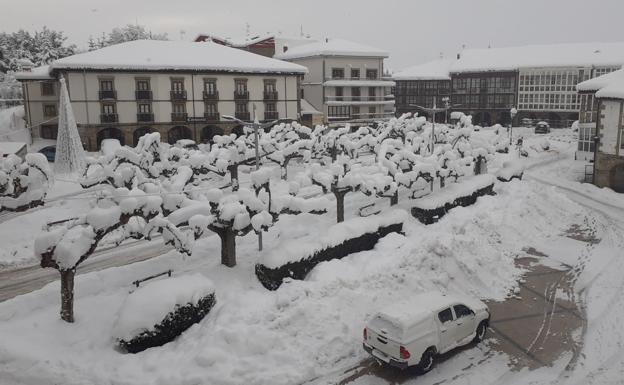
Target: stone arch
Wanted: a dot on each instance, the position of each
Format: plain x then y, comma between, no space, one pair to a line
238,130
110,133
179,132
209,132
139,132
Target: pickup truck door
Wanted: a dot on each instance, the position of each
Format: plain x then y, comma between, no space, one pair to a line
464,321
448,330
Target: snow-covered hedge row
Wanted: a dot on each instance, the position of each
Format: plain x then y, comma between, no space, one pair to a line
465,193
160,311
294,258
510,170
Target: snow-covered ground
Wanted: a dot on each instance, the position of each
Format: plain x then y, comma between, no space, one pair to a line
307,330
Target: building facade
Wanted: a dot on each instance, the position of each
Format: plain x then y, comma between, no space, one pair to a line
126,99
344,81
420,85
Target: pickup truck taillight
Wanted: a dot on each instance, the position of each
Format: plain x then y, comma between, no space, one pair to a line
404,353
365,334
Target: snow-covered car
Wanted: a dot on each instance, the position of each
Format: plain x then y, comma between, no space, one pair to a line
49,152
413,332
188,144
542,128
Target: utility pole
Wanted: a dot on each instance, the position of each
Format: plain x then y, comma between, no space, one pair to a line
432,111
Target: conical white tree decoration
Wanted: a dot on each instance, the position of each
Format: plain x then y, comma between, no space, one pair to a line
70,156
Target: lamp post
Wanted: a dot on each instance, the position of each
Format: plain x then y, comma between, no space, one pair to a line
447,103
512,113
256,126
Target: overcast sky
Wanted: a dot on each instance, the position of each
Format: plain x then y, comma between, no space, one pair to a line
412,31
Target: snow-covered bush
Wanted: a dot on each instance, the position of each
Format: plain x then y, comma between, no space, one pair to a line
294,258
160,311
511,170
24,184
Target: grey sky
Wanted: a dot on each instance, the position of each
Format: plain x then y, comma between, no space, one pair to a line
411,31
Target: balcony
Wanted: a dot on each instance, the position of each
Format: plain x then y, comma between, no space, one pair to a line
107,95
271,115
179,116
143,95
270,95
242,116
177,95
241,95
144,117
214,95
109,118
212,117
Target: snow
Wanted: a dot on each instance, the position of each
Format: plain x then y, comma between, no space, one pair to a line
150,303
293,250
514,168
38,73
7,148
433,70
70,156
307,108
331,47
453,191
530,56
359,83
606,86
406,313
175,55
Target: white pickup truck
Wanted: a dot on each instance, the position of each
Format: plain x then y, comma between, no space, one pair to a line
415,331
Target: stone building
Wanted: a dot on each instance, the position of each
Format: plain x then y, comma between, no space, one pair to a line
602,112
180,89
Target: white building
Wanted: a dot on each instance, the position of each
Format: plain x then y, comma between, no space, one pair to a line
180,89
602,115
344,80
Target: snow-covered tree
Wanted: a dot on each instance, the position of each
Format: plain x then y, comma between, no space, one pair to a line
70,156
131,32
24,184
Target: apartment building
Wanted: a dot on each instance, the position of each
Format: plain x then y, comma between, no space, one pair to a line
344,81
602,123
538,80
419,85
180,89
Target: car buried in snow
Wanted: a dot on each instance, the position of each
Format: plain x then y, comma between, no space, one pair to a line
415,331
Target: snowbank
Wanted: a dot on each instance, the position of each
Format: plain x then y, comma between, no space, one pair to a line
453,191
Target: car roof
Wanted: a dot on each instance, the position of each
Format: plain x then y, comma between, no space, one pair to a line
415,309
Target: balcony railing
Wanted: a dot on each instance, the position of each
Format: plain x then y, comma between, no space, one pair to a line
145,117
178,95
270,95
211,117
179,116
376,98
109,118
271,115
108,95
241,95
242,116
143,95
214,95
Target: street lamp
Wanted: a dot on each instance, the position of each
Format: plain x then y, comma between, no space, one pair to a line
433,111
512,113
256,127
447,104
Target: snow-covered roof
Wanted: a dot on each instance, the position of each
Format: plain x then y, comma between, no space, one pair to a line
7,148
332,47
152,55
610,85
433,70
38,73
552,55
307,108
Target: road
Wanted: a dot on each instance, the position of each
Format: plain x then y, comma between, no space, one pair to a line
26,279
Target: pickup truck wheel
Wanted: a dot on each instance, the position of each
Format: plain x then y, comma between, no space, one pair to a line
480,332
427,360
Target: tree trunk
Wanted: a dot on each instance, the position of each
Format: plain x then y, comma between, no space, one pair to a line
340,205
441,182
234,176
394,199
67,295
228,247
285,169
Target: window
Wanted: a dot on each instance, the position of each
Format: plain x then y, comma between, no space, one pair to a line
142,85
241,108
270,107
445,315
269,85
338,111
178,108
371,74
339,93
337,73
462,311
240,85
355,93
48,131
47,89
145,108
177,85
355,73
108,108
210,86
49,110
355,111
372,111
211,108
106,84
371,92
